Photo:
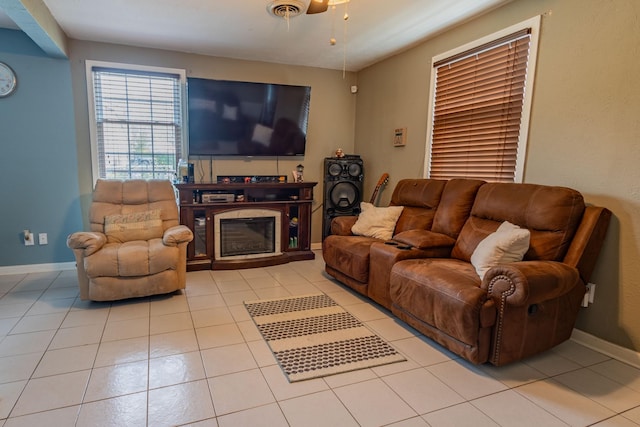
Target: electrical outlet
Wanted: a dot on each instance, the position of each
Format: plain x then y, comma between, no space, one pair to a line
589,295
43,239
585,299
28,238
592,292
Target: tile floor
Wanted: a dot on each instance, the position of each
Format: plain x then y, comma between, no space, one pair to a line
195,358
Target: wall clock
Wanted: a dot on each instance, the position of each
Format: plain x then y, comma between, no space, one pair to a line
8,80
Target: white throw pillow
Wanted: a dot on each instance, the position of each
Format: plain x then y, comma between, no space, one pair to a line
376,222
507,244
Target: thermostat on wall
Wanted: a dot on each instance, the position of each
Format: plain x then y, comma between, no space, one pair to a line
400,137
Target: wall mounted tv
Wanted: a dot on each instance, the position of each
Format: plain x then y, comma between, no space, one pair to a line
230,118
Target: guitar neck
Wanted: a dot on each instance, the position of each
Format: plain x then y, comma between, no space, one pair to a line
382,181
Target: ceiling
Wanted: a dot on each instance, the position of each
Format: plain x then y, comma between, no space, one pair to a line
244,29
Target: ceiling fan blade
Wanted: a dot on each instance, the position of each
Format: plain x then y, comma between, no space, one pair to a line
317,6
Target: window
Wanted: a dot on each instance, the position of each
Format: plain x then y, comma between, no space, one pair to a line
136,120
478,118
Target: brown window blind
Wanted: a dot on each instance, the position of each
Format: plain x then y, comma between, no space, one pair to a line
139,123
477,112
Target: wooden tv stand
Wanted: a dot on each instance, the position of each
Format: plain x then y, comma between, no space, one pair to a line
200,203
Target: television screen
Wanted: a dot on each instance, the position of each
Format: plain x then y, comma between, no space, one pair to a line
229,118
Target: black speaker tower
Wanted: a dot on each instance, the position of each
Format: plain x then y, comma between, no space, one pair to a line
343,178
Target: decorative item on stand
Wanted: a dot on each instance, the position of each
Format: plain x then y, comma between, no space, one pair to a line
298,174
339,153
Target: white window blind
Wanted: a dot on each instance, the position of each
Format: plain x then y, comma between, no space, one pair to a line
138,120
477,111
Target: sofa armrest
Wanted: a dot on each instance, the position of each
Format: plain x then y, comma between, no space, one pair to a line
341,225
176,235
87,241
529,282
425,239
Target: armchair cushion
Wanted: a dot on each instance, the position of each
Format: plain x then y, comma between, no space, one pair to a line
132,259
376,222
143,225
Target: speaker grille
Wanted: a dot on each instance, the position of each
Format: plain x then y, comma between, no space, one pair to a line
342,189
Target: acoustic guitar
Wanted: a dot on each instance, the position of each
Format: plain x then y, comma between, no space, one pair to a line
384,180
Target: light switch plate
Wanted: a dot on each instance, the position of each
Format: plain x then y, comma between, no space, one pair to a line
400,137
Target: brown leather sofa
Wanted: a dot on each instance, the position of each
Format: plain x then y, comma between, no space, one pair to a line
426,278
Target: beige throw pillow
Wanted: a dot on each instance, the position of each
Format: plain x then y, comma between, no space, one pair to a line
507,244
376,222
133,226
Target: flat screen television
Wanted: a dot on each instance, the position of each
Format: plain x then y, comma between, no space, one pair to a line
231,118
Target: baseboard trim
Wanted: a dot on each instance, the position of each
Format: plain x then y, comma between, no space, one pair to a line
622,354
37,268
316,246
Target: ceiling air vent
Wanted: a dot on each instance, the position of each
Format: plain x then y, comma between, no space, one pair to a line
286,8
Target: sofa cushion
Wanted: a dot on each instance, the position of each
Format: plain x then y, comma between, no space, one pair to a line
142,225
507,244
420,198
349,255
376,222
551,214
455,205
443,293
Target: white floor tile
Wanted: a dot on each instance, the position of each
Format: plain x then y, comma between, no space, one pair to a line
55,417
42,394
466,379
571,407
20,367
463,415
227,359
117,380
66,360
317,410
211,317
239,391
10,393
619,372
373,403
125,329
176,369
76,336
129,410
25,343
219,335
509,408
603,390
421,351
122,351
180,404
170,323
422,390
172,343
43,322
283,389
262,416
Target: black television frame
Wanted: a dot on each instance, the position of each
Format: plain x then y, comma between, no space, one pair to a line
246,119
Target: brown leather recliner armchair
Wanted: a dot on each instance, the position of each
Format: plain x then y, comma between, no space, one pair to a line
136,246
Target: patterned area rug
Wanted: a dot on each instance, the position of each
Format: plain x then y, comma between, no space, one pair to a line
312,336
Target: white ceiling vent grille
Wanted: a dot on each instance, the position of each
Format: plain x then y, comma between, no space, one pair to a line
286,8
